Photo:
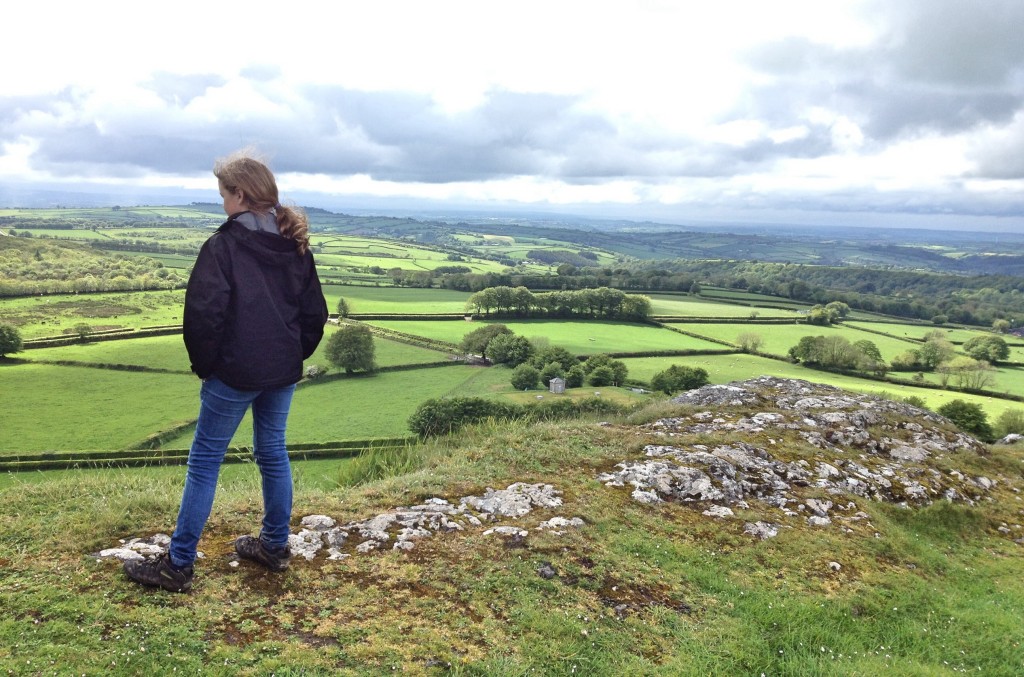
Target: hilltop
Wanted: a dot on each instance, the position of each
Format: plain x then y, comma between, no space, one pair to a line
768,525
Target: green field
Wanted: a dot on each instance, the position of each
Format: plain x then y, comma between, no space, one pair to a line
396,300
45,407
388,353
168,352
83,234
778,339
358,408
918,331
1008,380
692,306
577,336
155,352
352,252
55,315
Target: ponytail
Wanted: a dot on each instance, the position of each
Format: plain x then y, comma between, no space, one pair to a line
243,172
292,223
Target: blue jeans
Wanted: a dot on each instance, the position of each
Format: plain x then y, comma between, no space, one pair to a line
221,410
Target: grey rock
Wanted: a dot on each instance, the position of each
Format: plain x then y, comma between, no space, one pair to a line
318,522
761,530
718,511
306,544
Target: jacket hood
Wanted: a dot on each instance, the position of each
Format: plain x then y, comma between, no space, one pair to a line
270,248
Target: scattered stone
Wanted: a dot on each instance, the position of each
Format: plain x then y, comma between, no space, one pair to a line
718,511
518,500
762,530
560,523
506,531
816,521
546,571
835,566
1012,438
819,508
318,522
305,544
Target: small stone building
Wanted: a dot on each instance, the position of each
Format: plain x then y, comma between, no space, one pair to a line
556,385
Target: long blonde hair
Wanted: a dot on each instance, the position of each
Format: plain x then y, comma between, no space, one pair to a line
242,172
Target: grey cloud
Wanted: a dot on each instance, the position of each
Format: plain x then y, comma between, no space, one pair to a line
952,42
938,65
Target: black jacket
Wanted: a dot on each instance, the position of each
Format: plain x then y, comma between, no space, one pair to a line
254,309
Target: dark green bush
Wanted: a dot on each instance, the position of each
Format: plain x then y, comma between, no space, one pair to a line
969,417
445,415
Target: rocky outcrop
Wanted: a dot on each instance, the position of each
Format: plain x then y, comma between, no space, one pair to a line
779,452
861,447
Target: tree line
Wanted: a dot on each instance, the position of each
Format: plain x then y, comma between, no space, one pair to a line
601,303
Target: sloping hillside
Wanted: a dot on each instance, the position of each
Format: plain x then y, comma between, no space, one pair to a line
772,526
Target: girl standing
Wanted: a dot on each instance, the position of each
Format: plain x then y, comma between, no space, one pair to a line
254,310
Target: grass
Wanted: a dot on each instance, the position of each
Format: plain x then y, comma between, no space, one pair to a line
399,300
918,331
160,352
638,590
39,316
778,339
365,407
579,337
689,306
45,407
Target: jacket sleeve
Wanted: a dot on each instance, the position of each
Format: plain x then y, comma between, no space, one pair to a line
312,312
207,297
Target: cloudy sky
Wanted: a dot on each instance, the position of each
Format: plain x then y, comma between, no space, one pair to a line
851,112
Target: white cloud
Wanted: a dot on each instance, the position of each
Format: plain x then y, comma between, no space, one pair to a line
849,104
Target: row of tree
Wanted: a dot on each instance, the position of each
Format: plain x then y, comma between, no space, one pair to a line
600,303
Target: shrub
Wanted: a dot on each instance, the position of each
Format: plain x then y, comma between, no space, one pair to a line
618,369
550,371
10,340
548,354
342,307
1010,421
677,378
82,330
969,417
915,401
575,377
749,342
446,415
558,409
602,376
525,377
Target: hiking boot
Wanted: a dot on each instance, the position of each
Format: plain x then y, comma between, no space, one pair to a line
159,573
253,548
